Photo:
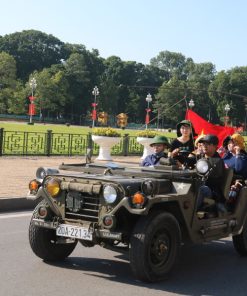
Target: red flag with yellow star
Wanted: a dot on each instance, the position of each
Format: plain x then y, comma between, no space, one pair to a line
203,126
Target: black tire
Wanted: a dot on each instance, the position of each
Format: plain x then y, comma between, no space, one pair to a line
154,247
44,244
240,241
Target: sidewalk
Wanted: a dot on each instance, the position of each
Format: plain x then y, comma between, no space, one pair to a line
17,172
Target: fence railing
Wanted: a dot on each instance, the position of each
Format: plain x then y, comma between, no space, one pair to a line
19,143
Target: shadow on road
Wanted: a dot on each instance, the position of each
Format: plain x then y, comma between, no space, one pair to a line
210,269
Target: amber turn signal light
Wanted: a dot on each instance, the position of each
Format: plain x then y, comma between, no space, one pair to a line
33,185
138,198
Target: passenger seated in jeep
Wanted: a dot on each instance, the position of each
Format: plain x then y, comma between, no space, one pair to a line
236,158
183,145
211,188
159,144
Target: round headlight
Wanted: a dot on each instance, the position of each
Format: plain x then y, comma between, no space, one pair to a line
53,187
202,166
110,194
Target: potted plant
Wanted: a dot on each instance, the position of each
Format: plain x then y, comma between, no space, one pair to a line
106,138
145,138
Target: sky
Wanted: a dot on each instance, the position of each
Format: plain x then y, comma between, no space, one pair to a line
137,30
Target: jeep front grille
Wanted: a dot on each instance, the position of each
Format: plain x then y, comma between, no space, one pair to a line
82,206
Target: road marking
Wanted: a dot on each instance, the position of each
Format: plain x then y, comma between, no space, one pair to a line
7,216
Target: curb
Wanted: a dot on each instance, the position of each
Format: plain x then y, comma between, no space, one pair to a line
16,204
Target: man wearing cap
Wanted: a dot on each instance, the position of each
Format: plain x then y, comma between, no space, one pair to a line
211,189
159,144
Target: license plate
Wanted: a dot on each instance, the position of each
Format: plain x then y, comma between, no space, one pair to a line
74,232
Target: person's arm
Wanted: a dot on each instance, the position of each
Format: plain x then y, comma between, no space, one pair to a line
147,161
218,168
240,165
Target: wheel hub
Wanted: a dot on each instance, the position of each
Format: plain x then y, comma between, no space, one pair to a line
160,249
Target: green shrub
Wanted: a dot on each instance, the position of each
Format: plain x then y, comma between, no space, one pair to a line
147,134
106,131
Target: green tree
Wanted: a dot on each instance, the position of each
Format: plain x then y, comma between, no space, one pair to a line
230,88
9,86
199,78
171,101
78,77
172,63
51,92
32,50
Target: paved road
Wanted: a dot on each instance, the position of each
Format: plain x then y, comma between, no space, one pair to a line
210,269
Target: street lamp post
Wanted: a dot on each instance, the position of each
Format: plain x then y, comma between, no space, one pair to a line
95,92
227,109
40,109
158,118
149,100
33,85
191,104
245,120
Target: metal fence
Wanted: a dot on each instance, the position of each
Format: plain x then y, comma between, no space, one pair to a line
19,143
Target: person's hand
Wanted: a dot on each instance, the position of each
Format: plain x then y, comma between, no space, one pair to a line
238,184
179,164
237,150
175,152
221,150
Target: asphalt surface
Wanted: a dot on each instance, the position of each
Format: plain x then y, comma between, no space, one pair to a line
17,172
210,269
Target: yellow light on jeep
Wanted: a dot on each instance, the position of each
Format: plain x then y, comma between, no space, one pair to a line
138,198
53,187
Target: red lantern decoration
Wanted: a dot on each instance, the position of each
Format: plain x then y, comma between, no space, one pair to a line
31,110
147,119
94,114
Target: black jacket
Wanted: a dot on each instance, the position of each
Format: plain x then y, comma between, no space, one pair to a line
215,177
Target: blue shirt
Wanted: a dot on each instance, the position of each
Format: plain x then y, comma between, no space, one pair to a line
237,162
153,159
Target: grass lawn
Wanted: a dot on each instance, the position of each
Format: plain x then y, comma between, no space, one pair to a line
61,128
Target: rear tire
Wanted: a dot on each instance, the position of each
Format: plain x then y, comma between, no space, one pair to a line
240,241
155,245
44,244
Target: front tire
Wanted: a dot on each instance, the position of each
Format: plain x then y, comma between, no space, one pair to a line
155,245
44,244
240,241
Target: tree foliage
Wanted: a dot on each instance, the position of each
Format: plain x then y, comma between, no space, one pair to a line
67,73
32,50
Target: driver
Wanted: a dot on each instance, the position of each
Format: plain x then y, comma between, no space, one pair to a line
211,188
159,144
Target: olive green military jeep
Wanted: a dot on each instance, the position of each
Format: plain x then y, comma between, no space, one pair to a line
151,211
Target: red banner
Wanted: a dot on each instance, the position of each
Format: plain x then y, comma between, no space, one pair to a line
147,119
94,115
202,126
31,110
